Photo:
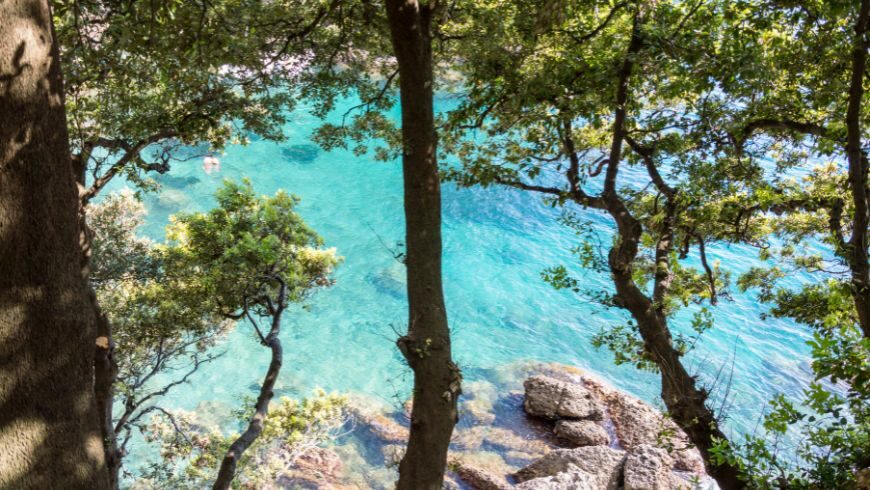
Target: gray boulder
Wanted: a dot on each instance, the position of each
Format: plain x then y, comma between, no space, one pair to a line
552,399
648,468
581,433
603,463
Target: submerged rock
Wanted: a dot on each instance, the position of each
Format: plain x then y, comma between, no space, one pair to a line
552,399
389,283
478,401
393,454
380,426
603,463
315,469
172,198
176,182
477,478
304,153
581,433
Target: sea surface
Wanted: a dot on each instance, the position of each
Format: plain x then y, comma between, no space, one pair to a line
496,244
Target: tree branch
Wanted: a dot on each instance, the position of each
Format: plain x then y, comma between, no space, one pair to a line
646,154
131,152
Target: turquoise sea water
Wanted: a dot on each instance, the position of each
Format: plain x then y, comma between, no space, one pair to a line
496,243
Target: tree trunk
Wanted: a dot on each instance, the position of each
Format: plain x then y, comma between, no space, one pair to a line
858,168
227,471
105,375
686,403
105,366
426,347
255,426
50,437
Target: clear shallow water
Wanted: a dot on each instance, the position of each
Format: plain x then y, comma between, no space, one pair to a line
496,243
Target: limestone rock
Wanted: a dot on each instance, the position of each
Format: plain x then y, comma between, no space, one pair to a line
508,440
637,423
478,401
572,479
316,468
603,463
319,461
393,454
478,479
552,399
581,433
648,468
380,426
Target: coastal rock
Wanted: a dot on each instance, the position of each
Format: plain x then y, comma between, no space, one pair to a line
572,479
176,182
476,478
389,282
502,440
320,462
604,464
637,423
552,399
648,468
393,454
315,469
581,433
380,426
172,198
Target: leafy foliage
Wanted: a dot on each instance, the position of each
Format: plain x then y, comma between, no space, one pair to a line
192,450
170,303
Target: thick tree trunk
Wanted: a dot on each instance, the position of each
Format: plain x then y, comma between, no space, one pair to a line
858,169
50,433
426,346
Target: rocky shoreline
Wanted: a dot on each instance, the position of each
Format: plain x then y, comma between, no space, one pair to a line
565,429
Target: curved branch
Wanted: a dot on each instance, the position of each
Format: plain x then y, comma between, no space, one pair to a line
261,408
646,154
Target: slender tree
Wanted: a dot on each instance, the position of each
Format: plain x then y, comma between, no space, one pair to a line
598,108
426,346
50,434
252,258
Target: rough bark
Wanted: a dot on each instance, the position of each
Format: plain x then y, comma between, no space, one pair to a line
426,347
105,366
261,409
857,248
105,375
51,437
